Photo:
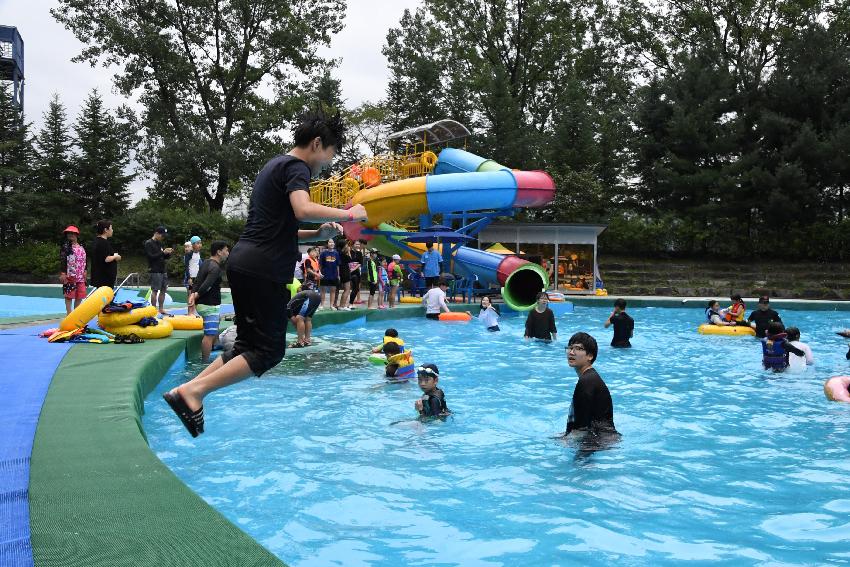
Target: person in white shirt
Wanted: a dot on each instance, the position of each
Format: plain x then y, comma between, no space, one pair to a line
194,267
435,301
798,363
489,314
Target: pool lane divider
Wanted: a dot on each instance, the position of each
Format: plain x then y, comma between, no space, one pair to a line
99,495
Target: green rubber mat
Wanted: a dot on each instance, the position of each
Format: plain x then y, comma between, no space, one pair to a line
98,495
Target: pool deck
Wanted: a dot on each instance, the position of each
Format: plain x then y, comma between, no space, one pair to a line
91,492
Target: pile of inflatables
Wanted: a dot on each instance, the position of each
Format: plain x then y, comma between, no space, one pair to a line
124,321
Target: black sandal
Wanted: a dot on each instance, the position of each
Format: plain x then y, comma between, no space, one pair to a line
192,421
133,339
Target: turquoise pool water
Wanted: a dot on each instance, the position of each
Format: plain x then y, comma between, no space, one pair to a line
18,306
719,462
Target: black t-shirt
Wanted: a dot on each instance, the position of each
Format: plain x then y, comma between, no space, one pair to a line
763,319
268,247
156,256
102,272
208,283
624,326
591,407
344,270
540,325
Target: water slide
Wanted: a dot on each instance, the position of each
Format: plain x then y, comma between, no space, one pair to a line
462,181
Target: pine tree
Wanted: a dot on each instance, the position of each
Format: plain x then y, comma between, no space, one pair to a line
15,165
100,183
51,199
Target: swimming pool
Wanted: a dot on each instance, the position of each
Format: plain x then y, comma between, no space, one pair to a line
719,461
19,306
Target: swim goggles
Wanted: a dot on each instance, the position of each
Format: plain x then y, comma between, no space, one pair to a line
426,370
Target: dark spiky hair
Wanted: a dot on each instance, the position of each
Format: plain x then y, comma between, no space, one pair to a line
319,123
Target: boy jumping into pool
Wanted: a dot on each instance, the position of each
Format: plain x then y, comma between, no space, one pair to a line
263,261
433,400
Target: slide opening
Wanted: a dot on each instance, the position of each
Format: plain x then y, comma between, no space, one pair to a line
523,285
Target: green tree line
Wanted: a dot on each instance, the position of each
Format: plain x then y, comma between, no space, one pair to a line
689,126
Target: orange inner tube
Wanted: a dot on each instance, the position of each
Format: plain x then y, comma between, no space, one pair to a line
371,177
455,316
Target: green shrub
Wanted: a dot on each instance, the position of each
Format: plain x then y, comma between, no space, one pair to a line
38,259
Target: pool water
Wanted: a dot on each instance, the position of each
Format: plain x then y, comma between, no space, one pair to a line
720,461
18,306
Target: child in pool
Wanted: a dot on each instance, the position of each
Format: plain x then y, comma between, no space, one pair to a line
390,336
735,313
400,365
433,400
776,348
489,314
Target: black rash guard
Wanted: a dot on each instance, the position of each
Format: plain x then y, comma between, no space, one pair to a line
591,408
434,404
624,327
763,319
540,325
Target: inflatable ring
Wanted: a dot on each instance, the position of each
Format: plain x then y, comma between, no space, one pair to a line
378,359
352,186
185,322
455,316
410,299
429,159
836,389
127,318
706,329
556,296
159,331
88,309
371,177
601,291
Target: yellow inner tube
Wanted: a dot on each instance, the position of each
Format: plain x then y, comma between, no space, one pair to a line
162,330
120,319
706,329
410,299
88,309
185,322
429,159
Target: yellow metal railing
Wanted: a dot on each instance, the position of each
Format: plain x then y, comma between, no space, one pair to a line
339,189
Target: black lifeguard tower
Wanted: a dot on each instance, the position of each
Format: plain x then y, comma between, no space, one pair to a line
12,62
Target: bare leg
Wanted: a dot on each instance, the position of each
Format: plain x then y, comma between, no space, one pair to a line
77,302
299,328
193,392
369,302
207,343
333,296
308,330
393,291
322,296
346,291
68,306
161,301
215,365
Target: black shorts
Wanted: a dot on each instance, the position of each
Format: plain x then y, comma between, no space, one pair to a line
432,316
329,283
260,307
373,288
432,281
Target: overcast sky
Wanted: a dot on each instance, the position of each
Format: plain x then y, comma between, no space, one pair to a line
49,48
